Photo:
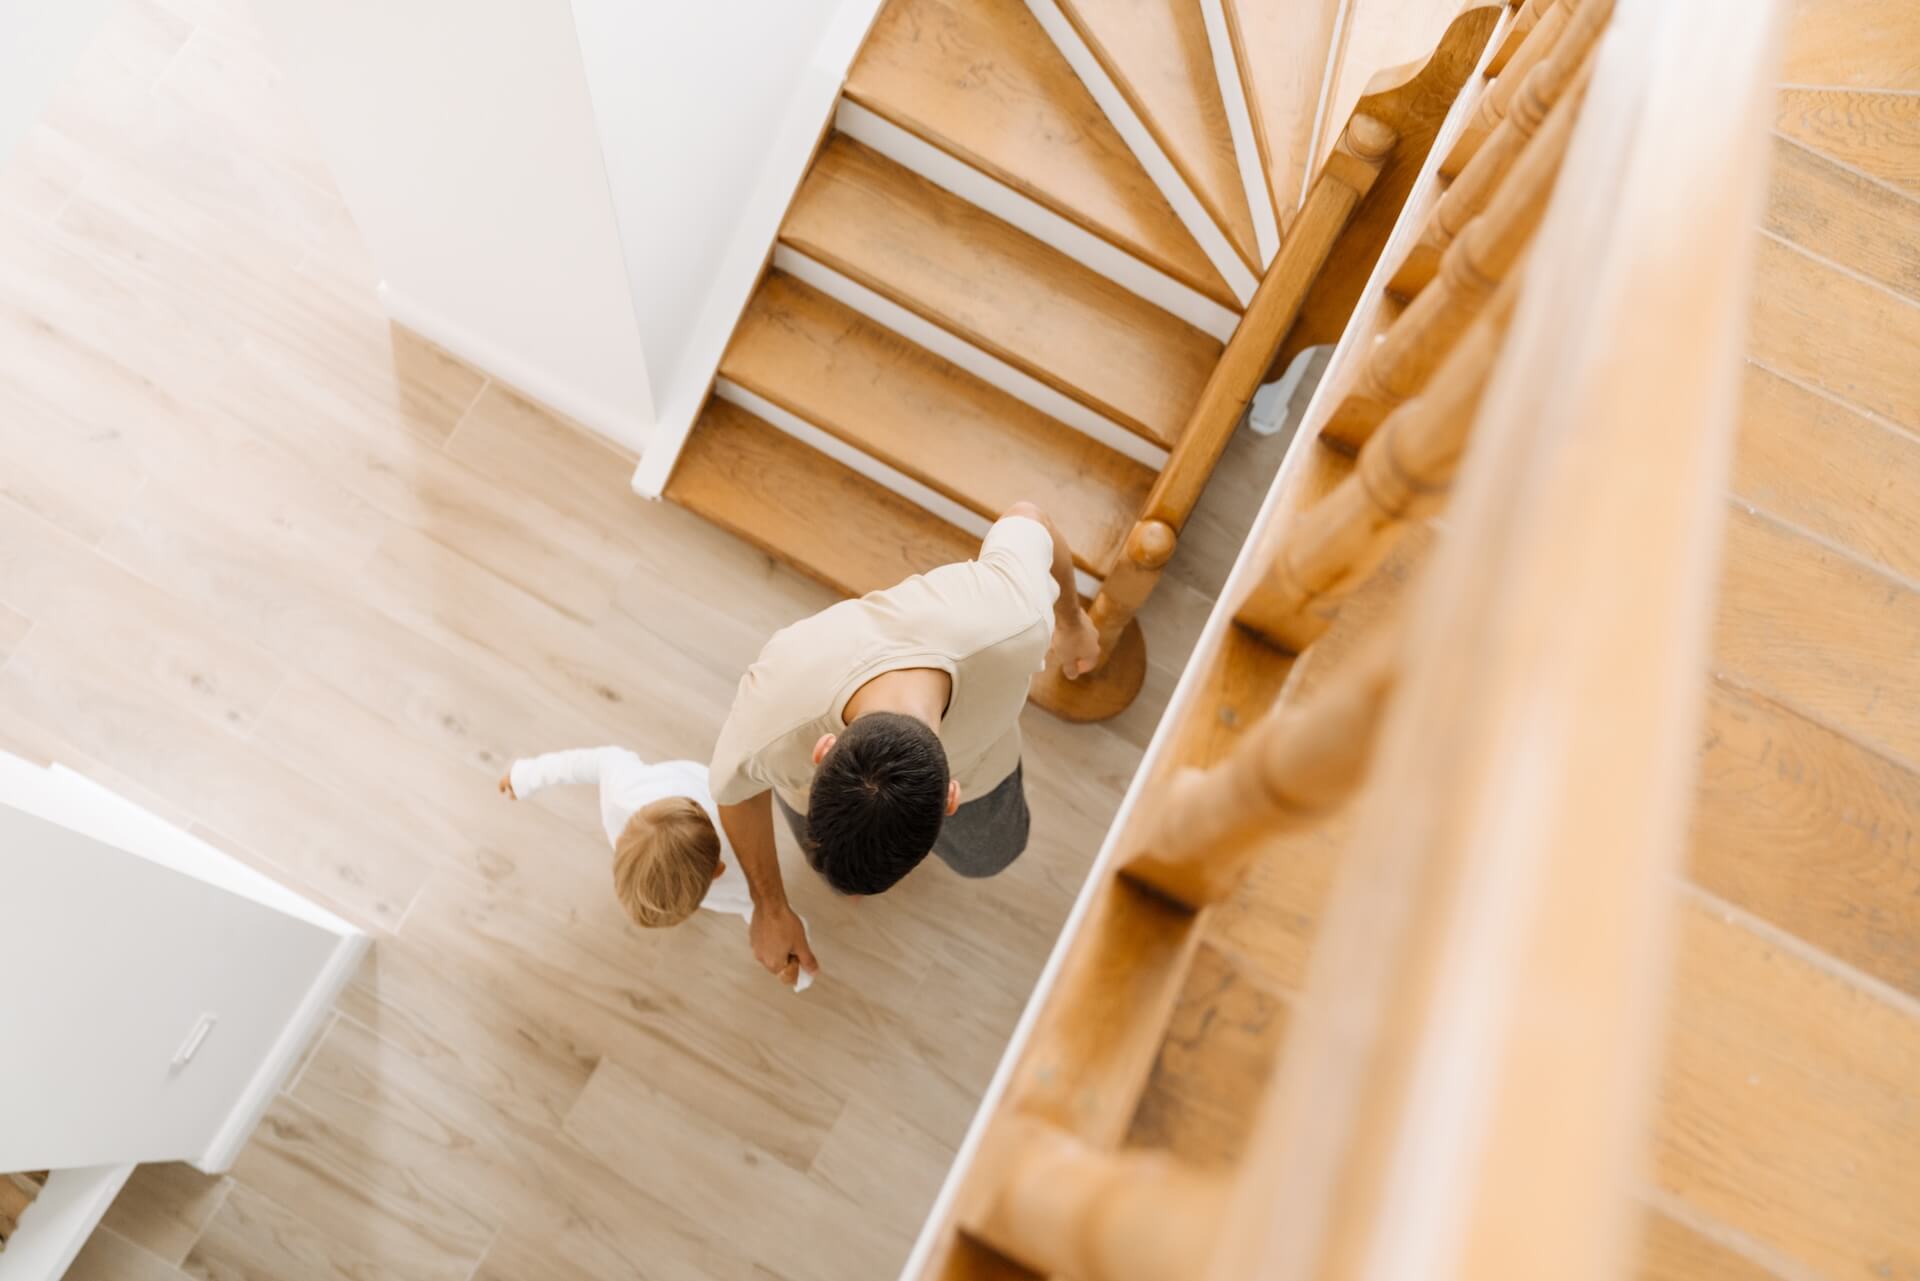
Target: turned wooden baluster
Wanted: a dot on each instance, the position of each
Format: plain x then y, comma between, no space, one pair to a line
1348,175
1498,98
1473,267
1523,25
1298,763
1563,74
1402,471
1065,1208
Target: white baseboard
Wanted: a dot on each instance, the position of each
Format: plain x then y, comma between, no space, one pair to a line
627,427
1029,215
1246,147
887,477
983,365
1213,242
302,1027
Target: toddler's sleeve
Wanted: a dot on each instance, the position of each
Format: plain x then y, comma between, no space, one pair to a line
582,765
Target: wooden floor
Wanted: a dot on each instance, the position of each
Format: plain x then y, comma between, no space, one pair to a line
1790,1104
304,585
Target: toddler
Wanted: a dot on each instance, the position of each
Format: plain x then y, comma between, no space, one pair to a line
670,855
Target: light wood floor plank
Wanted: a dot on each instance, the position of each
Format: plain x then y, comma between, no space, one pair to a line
164,1208
253,1236
108,1256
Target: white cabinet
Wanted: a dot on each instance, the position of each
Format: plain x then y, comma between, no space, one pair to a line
159,992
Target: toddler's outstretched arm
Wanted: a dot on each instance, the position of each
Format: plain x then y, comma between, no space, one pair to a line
582,765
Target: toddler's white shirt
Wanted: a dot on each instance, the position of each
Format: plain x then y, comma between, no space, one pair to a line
627,784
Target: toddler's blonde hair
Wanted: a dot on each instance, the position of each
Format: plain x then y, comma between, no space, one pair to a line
664,861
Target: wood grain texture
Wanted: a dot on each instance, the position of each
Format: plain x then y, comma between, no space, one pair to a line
768,488
1811,832
1822,466
1830,210
939,424
1787,1105
1834,331
1157,53
1876,133
1413,101
1672,1251
1820,632
1027,303
166,1207
1283,52
108,1256
230,489
982,81
1863,43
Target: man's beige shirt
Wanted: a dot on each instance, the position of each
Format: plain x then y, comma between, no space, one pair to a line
985,622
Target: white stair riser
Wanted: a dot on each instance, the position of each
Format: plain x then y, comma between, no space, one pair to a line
1029,215
1246,148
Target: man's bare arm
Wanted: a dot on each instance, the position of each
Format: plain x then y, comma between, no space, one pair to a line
777,935
1076,645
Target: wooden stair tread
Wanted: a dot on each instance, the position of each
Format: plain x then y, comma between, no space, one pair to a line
1282,48
981,81
1786,1110
1811,832
916,412
1157,53
959,267
1877,133
1830,210
1821,632
769,489
1832,330
1815,463
1672,1251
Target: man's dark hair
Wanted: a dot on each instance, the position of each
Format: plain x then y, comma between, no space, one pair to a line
876,803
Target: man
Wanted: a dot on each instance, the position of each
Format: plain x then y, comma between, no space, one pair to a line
889,726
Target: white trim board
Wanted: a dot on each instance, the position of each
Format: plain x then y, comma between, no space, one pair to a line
1213,241
1246,147
887,477
756,228
626,426
981,364
977,188
54,1228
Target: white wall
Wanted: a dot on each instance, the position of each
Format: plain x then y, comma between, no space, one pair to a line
708,112
39,42
463,140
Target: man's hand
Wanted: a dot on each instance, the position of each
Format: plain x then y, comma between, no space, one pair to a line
1076,642
780,943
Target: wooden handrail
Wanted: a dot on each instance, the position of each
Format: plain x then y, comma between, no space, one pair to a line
1471,269
1349,172
1537,44
1402,471
1558,74
1467,1085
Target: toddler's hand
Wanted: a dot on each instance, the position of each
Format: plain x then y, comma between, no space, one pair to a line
506,786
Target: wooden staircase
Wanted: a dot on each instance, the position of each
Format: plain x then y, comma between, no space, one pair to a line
1402,960
1029,262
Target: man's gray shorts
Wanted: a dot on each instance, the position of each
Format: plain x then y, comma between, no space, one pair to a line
980,838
